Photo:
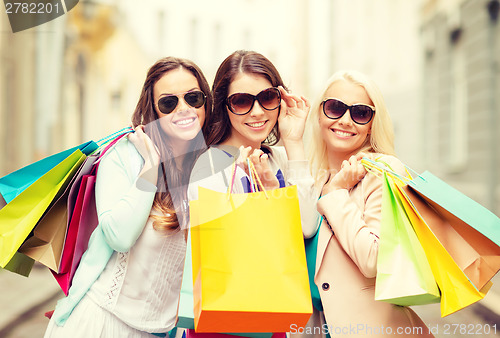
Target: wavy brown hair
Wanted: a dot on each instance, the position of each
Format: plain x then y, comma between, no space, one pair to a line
169,177
217,127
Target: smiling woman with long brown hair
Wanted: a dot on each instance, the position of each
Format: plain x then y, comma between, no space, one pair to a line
252,112
128,281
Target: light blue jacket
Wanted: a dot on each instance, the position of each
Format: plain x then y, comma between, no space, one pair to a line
119,226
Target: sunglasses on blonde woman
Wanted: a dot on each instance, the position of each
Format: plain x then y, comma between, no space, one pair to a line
360,113
167,104
242,103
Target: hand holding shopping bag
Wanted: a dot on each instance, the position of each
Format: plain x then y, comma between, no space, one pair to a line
249,264
41,188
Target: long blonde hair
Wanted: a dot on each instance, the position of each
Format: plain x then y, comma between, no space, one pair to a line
381,139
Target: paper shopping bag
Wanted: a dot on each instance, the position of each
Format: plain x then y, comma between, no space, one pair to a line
81,216
404,276
467,230
457,291
252,273
190,333
19,216
185,313
83,222
476,255
437,192
16,182
2,202
20,264
311,248
47,242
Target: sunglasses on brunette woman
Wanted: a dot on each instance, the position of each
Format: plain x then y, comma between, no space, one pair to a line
242,103
167,104
360,113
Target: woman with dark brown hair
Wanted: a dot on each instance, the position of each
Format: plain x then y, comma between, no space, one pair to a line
252,112
128,281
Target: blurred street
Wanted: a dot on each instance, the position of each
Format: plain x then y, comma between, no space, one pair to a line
25,300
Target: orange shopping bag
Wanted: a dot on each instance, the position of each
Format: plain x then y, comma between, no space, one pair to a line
249,263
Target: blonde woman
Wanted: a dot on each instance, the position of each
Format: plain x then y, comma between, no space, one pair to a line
348,121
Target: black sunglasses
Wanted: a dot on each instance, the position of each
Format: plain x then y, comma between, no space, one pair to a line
360,113
167,104
242,103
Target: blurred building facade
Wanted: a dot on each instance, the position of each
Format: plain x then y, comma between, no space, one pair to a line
79,77
88,66
17,64
67,81
381,39
461,95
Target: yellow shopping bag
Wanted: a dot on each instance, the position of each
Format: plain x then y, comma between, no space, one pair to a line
457,291
249,264
19,217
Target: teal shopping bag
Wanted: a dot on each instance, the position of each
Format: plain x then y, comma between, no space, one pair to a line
19,217
13,184
434,190
311,247
16,182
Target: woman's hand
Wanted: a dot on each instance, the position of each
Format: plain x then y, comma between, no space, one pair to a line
145,146
149,153
260,161
292,121
351,172
293,115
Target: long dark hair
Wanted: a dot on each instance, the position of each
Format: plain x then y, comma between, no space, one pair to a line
146,115
217,127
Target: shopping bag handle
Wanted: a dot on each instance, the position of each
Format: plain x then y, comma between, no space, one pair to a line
105,140
378,167
110,143
253,176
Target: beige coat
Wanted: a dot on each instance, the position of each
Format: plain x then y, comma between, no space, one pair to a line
346,264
